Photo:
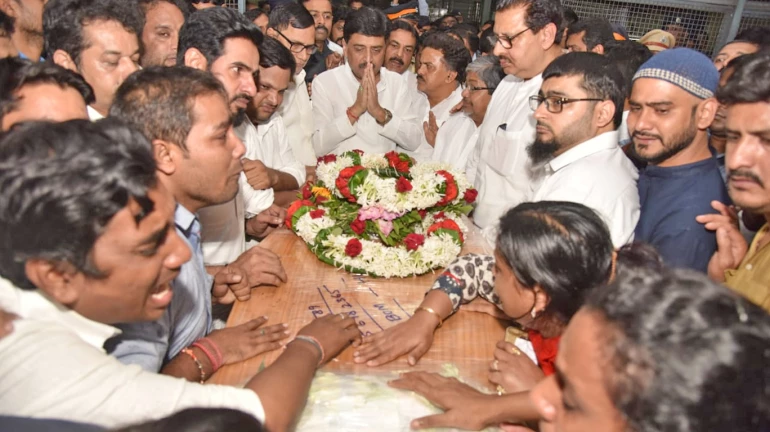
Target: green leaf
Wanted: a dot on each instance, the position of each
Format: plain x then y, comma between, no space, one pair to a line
298,214
454,234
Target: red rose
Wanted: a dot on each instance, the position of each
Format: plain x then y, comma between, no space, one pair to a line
358,226
438,216
422,213
353,248
402,166
447,224
343,180
403,185
296,205
320,199
392,157
451,188
316,214
470,195
360,152
413,241
306,191
328,158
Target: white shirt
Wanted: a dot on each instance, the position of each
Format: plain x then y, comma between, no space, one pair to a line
441,112
456,142
597,174
502,178
269,143
53,366
297,113
334,91
93,114
623,129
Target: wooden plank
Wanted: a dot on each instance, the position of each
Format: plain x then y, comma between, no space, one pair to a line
467,340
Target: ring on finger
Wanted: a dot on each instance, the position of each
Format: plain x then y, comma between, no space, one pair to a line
495,365
341,315
515,351
262,332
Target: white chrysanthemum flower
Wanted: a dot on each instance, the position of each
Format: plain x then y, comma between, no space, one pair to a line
308,228
370,160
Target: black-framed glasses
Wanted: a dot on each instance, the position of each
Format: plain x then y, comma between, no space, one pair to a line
555,104
297,47
471,88
507,41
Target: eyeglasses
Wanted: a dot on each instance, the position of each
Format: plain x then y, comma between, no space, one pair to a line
506,41
297,47
555,104
491,89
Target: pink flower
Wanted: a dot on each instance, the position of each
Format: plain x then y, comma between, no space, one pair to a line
376,212
385,226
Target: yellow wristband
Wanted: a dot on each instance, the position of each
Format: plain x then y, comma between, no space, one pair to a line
431,311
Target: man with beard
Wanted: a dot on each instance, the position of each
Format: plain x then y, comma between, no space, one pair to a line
27,36
361,105
746,96
443,60
292,25
527,36
328,54
576,156
269,162
224,42
160,37
672,105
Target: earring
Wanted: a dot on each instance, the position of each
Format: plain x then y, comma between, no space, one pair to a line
534,313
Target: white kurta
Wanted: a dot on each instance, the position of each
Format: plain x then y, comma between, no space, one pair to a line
297,113
441,112
455,143
334,91
598,175
54,367
502,177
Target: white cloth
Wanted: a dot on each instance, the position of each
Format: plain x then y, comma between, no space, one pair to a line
93,114
223,229
53,366
441,112
269,143
455,143
597,174
334,91
297,113
623,130
502,178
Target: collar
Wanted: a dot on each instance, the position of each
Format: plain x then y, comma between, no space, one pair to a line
93,114
605,141
300,77
453,99
263,128
184,219
685,170
34,305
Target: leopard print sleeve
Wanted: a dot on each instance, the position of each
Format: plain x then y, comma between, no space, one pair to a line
468,277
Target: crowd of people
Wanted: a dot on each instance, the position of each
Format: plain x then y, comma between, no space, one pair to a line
148,146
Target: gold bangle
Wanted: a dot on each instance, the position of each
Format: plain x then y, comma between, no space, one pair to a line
431,311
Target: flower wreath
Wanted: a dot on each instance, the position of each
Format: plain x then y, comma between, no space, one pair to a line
383,215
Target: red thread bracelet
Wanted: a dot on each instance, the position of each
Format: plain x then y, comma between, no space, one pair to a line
350,113
219,360
214,365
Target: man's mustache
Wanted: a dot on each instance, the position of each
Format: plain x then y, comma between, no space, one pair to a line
321,26
745,174
396,60
646,135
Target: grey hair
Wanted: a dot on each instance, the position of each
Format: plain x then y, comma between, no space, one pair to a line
488,69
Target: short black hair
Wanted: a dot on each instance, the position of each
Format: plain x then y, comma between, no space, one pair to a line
367,22
486,41
683,353
182,5
401,24
540,13
61,184
64,20
201,420
750,81
208,29
566,249
215,2
455,56
290,14
273,53
598,31
15,73
569,16
253,14
468,33
339,13
7,24
757,35
601,79
160,101
627,56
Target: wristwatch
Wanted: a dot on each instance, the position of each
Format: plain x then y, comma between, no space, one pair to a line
388,117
